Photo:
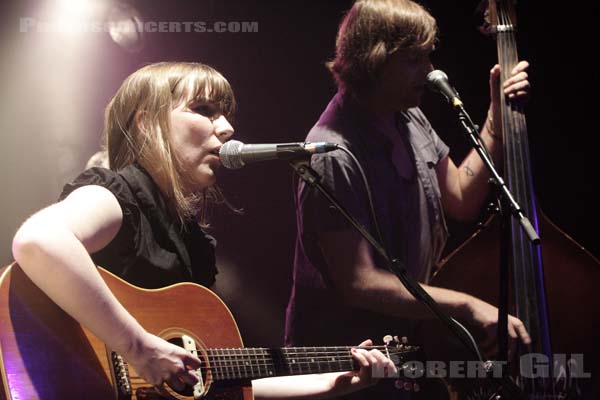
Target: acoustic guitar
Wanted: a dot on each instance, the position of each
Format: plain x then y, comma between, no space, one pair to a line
45,354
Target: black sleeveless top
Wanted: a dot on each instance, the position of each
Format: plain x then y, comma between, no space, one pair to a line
152,249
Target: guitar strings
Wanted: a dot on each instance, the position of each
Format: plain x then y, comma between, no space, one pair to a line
306,360
236,353
236,363
311,349
230,369
222,364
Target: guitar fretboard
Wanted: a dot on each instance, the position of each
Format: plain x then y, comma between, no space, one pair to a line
255,363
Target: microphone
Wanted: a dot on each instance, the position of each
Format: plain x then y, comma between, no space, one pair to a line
438,82
235,154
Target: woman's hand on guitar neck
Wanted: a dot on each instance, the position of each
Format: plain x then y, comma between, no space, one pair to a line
373,366
370,361
157,361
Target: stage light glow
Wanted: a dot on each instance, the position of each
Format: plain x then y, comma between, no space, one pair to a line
124,27
74,9
75,16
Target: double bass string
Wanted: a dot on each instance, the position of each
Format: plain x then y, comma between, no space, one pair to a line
526,257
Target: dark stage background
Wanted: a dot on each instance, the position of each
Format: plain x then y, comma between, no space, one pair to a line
55,86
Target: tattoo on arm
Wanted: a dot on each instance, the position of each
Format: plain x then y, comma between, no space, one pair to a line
468,170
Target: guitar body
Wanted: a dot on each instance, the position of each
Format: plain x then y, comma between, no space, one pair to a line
45,354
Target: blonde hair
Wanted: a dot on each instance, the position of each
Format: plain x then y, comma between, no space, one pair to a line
137,126
370,32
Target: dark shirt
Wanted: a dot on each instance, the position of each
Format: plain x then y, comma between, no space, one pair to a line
408,207
151,249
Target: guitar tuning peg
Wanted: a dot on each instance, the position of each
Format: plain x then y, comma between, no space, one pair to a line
407,386
387,339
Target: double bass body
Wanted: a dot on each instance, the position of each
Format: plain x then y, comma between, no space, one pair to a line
572,275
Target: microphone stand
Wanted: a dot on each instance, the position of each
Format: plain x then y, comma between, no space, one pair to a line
503,386
504,193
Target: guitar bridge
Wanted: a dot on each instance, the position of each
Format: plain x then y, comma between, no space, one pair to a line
121,375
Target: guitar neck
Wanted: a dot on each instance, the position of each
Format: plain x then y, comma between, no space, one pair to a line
255,363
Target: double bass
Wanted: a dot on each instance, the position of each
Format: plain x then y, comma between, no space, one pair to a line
552,286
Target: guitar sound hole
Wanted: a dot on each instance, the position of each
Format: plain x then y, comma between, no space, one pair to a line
188,391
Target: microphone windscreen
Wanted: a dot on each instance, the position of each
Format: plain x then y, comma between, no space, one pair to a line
230,154
435,77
